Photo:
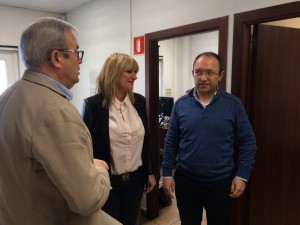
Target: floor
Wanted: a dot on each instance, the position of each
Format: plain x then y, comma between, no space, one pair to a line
168,215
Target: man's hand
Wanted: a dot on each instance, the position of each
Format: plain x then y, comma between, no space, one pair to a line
101,163
169,186
238,187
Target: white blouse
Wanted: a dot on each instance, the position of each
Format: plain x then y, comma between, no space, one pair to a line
126,134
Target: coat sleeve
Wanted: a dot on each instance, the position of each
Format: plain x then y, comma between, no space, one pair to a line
87,114
62,145
147,151
147,142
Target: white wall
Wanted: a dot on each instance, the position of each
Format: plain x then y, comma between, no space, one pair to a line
178,57
292,23
104,28
12,23
110,25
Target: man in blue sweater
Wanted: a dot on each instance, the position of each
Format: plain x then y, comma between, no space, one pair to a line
206,126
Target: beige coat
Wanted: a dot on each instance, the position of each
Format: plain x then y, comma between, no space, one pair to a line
46,172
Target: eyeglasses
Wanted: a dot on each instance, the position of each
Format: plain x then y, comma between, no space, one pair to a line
208,73
78,53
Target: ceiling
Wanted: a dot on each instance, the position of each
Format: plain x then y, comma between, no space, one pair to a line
54,6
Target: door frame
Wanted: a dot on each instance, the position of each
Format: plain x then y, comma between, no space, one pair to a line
152,84
241,67
241,40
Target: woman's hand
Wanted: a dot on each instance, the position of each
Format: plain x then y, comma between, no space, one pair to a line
151,183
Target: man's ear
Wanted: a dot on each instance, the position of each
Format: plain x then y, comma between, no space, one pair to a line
54,58
221,75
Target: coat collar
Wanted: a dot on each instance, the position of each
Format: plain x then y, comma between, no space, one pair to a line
36,78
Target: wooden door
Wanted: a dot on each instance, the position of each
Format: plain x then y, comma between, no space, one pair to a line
274,190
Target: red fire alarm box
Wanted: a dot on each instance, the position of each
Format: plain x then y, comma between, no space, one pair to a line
139,45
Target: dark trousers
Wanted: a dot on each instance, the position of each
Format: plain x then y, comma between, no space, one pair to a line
192,195
125,197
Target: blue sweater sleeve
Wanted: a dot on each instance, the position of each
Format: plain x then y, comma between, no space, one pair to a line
245,143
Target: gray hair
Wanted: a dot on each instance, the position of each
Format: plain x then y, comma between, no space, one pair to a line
41,38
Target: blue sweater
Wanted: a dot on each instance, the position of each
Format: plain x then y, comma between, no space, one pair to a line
204,139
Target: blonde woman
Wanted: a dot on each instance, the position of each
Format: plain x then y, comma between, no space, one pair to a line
117,120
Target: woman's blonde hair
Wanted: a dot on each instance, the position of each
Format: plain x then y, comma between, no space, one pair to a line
107,80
